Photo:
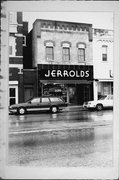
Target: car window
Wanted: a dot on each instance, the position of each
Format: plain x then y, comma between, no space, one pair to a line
35,100
112,97
102,97
55,99
45,100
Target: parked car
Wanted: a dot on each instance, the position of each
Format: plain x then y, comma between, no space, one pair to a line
39,103
104,102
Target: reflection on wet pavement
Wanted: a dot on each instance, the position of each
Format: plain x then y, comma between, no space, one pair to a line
87,147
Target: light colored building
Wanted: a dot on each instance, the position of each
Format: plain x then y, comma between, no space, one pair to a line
103,62
62,43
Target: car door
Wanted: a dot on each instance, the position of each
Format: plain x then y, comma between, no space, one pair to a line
45,103
109,101
33,104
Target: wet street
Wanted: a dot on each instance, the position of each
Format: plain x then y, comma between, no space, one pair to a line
71,138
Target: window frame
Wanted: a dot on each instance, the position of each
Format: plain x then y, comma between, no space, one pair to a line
12,43
66,56
51,55
45,101
38,100
10,50
15,97
24,40
104,55
80,55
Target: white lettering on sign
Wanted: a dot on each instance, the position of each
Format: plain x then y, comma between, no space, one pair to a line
59,73
65,73
53,73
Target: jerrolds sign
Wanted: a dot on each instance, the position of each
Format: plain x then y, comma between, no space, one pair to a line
65,72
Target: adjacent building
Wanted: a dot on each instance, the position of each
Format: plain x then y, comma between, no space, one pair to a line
62,60
103,62
17,39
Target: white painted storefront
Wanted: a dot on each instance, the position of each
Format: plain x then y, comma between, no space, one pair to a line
103,62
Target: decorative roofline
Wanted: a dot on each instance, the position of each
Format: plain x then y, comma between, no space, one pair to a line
64,26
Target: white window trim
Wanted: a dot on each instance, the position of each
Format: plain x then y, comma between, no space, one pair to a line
16,91
12,42
19,66
13,18
13,82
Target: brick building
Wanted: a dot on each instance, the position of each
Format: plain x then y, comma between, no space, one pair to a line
60,60
17,39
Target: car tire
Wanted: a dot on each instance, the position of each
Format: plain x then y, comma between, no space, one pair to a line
99,107
21,111
54,109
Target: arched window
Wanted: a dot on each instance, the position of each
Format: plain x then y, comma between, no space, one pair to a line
104,53
66,51
49,50
81,52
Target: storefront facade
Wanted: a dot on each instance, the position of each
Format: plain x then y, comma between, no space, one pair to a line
103,62
71,82
63,59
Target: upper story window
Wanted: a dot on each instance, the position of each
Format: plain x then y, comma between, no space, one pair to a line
81,52
10,50
49,50
12,46
104,53
13,17
24,40
66,51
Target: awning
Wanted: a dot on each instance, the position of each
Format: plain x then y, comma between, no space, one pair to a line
105,80
66,81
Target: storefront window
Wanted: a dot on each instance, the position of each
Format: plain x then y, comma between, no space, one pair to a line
59,90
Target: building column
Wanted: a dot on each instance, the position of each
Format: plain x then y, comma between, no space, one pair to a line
95,92
67,94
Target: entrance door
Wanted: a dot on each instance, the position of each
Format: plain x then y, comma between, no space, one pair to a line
82,93
13,95
28,93
72,95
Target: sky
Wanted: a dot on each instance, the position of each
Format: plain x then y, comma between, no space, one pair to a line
103,20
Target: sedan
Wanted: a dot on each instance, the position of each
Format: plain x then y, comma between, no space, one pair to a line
104,102
39,103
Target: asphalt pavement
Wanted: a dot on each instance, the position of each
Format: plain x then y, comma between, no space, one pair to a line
55,125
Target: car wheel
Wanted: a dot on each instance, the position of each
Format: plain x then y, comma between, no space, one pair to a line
21,110
54,109
99,107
